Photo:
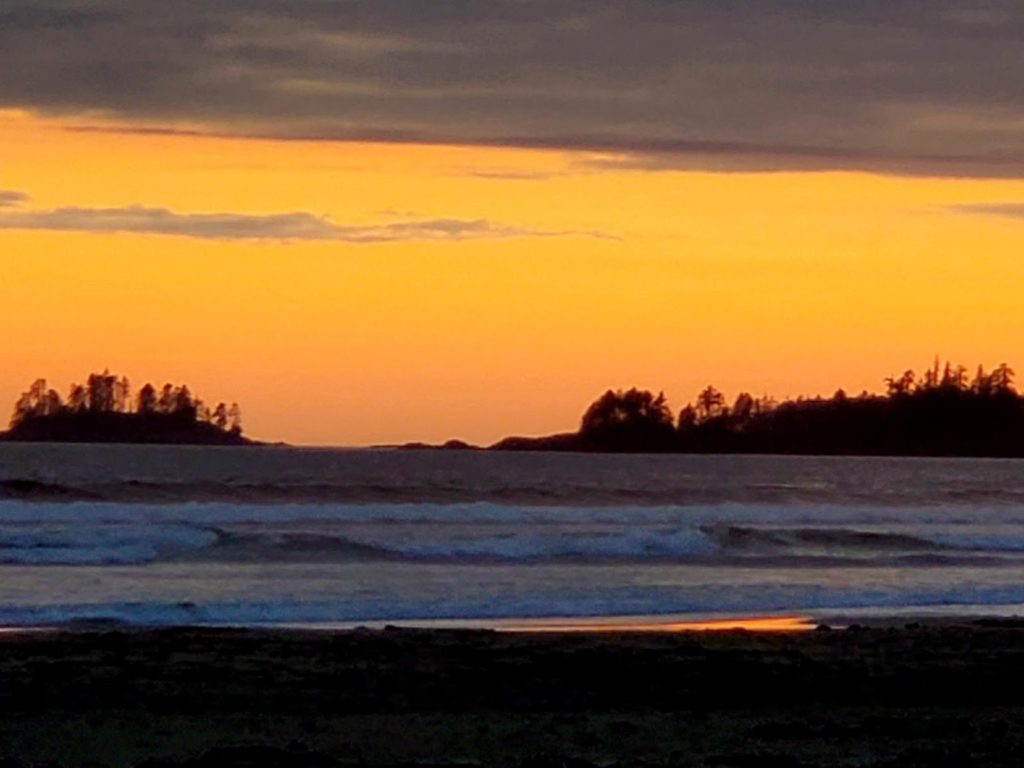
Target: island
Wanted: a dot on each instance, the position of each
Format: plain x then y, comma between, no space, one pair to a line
105,410
943,412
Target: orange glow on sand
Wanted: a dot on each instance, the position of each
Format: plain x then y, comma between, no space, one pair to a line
750,624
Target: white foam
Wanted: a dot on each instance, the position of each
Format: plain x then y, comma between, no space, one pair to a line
98,533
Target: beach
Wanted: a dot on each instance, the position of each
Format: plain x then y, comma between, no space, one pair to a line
170,606
929,694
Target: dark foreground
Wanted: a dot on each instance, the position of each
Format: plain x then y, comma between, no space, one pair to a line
918,696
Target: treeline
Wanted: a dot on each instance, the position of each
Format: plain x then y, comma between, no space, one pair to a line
106,409
946,411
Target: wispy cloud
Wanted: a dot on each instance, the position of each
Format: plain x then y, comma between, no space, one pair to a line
499,174
879,85
10,198
278,227
1008,210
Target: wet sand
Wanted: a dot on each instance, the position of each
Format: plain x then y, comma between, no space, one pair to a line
923,695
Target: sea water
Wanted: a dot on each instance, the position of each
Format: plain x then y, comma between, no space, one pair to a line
280,536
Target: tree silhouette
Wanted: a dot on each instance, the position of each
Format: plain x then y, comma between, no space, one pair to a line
146,402
710,404
78,398
687,418
235,419
220,416
1002,379
634,420
104,409
123,395
38,401
945,412
165,402
902,385
101,390
742,410
181,403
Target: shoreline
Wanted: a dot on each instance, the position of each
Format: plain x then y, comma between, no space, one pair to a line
892,617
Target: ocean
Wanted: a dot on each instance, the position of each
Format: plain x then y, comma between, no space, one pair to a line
159,535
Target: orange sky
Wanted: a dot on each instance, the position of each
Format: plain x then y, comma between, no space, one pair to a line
786,283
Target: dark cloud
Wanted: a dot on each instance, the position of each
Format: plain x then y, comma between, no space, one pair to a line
281,227
764,158
1009,210
902,86
10,198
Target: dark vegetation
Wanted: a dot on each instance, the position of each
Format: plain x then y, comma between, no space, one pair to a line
944,412
105,410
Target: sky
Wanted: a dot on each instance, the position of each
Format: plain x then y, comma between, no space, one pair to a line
377,222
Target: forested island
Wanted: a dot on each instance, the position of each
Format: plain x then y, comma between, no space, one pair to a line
944,412
106,410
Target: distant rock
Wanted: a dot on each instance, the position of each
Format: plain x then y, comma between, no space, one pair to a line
569,441
450,445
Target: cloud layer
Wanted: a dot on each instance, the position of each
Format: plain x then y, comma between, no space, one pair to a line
282,227
10,198
884,85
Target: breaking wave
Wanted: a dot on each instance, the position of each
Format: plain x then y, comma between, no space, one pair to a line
182,535
112,534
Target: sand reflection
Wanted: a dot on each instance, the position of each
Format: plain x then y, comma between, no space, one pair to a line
753,624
